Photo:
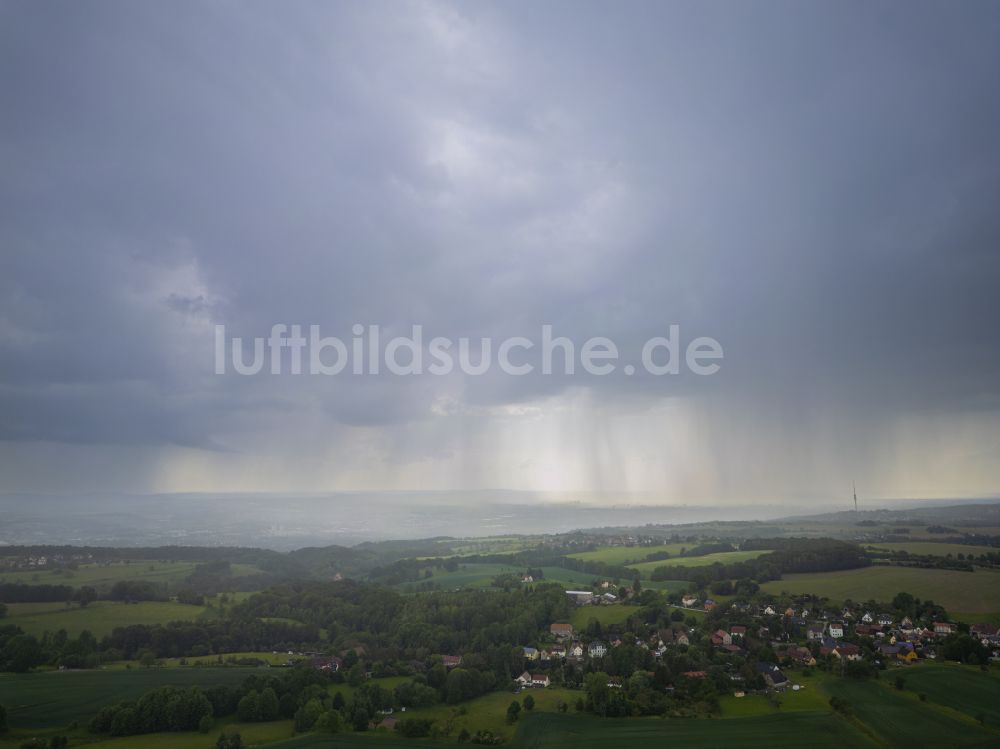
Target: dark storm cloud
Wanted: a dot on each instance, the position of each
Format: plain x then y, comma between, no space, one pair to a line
814,186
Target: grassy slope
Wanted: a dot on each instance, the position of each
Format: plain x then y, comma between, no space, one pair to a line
253,734
962,688
105,575
900,720
803,720
806,729
973,592
606,615
99,617
489,711
933,549
810,698
623,554
723,557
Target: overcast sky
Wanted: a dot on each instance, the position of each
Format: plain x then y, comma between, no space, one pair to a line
816,185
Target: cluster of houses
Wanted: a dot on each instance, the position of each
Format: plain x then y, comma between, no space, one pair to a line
692,602
804,637
588,598
568,648
902,640
27,563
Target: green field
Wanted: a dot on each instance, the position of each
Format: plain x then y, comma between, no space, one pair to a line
810,697
103,576
623,554
474,575
723,557
606,615
962,688
550,730
100,617
268,657
253,734
899,719
489,711
803,729
932,549
54,699
971,593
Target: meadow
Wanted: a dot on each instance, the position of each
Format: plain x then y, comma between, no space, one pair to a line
623,554
225,659
548,729
969,594
103,576
899,719
810,697
100,617
253,734
489,711
815,730
606,615
933,549
473,575
963,688
723,557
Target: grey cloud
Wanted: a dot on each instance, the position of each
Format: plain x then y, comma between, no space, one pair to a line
815,186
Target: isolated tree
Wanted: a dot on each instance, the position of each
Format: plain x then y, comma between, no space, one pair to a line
307,715
147,658
268,706
21,653
3,719
86,595
529,702
331,722
512,711
359,718
248,708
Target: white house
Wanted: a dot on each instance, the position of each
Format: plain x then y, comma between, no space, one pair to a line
597,649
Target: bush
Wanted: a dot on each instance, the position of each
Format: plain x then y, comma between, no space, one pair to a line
414,728
229,741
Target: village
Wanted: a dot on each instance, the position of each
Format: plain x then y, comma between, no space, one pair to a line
796,636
